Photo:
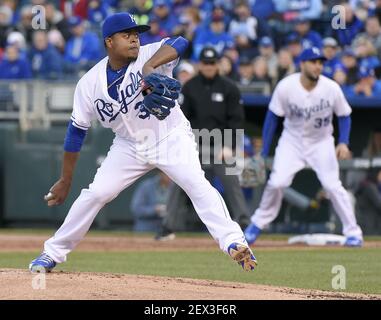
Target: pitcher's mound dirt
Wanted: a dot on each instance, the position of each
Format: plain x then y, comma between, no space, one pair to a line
18,284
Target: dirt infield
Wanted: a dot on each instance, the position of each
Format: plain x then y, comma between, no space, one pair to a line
18,284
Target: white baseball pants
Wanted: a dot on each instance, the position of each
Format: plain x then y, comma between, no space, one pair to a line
176,156
292,156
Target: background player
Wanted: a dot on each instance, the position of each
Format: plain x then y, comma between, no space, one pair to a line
112,92
307,100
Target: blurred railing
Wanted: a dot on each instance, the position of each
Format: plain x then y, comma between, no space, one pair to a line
39,103
36,104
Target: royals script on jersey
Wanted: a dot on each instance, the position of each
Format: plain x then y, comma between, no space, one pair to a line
126,117
308,114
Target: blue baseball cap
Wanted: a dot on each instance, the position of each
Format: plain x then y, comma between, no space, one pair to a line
292,38
120,22
313,53
74,21
266,42
365,72
162,3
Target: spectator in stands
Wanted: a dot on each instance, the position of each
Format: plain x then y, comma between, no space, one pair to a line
17,39
5,24
330,51
227,68
97,11
261,72
83,48
13,67
184,72
308,37
368,86
267,51
56,20
219,8
168,22
45,59
340,76
377,10
368,203
190,22
372,33
24,25
292,9
353,26
366,53
295,47
190,25
233,54
155,34
285,66
149,203
263,9
141,11
57,40
216,36
245,71
349,61
246,29
179,6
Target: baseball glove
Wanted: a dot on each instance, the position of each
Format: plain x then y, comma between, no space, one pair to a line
253,173
160,93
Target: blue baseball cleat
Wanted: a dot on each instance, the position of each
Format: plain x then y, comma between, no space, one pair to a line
353,242
243,255
251,233
42,264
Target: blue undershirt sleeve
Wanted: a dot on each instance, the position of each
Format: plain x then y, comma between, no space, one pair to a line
74,138
178,43
344,129
269,127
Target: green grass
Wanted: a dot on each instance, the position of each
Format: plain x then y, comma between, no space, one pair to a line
287,267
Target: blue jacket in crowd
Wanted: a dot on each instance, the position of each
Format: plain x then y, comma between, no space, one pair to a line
330,67
19,69
207,37
85,48
346,35
46,64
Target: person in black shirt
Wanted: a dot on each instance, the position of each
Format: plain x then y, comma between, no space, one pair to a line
210,101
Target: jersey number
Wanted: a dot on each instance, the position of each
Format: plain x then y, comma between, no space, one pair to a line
322,122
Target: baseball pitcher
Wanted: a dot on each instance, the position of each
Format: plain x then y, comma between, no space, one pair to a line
131,91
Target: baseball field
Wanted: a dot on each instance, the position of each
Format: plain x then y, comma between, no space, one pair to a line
122,265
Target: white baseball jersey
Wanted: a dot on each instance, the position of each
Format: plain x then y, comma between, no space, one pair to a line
308,114
125,117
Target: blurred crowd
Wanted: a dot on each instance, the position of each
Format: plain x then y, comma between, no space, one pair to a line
259,41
